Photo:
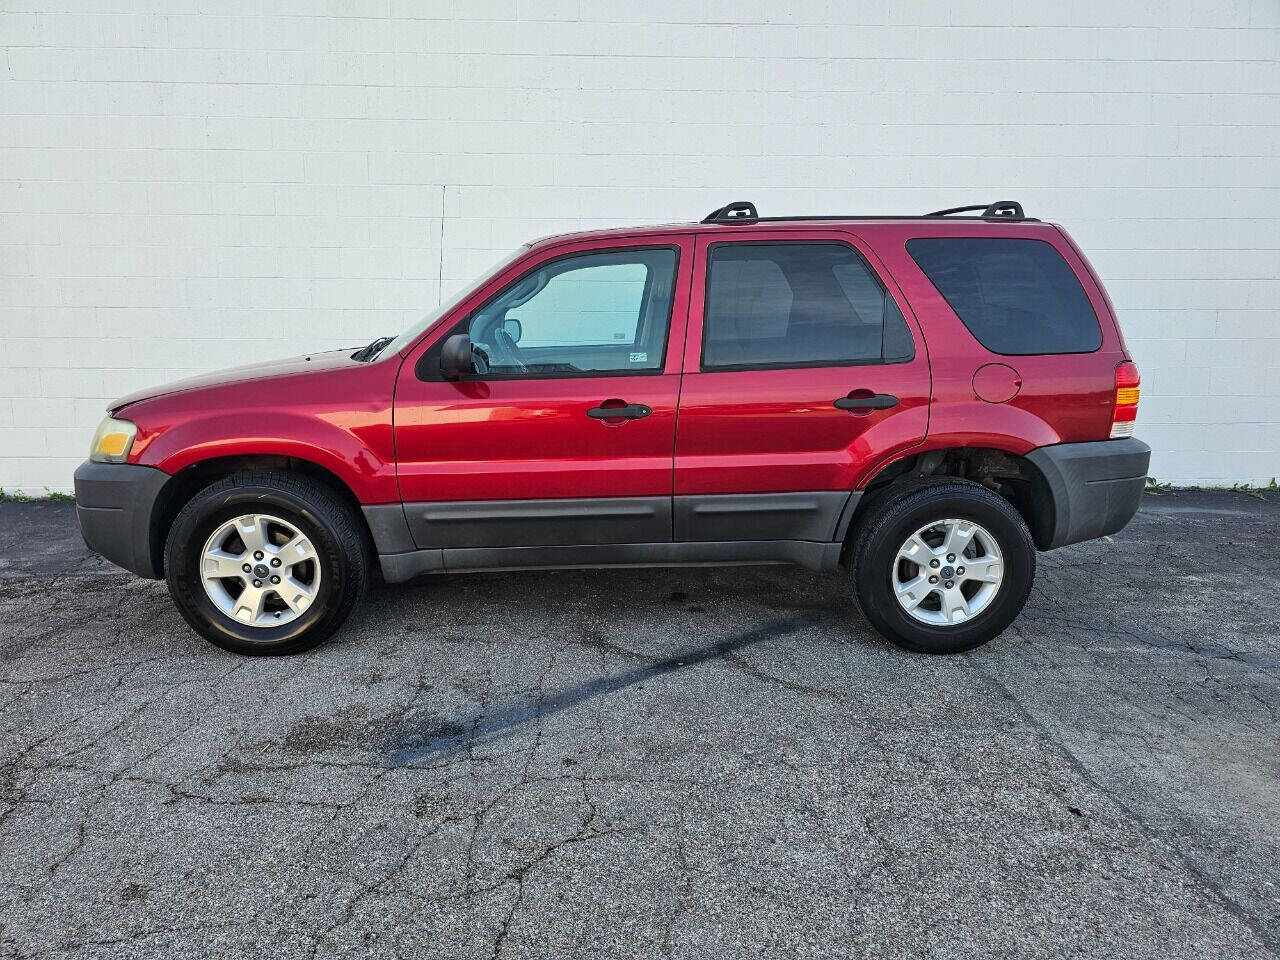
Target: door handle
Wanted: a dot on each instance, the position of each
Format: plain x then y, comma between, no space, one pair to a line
866,400
623,411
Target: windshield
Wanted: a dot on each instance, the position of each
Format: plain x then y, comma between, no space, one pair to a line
419,328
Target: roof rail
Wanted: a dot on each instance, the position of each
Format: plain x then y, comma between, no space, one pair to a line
734,212
1000,210
741,211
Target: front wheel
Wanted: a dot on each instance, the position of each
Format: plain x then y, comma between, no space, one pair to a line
266,563
943,568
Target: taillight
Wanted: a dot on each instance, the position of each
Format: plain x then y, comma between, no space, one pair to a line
1126,408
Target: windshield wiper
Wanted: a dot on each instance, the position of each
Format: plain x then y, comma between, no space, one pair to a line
370,351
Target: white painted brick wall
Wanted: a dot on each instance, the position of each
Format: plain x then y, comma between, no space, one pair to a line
189,184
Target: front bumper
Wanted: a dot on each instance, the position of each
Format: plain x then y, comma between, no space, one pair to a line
115,504
1096,487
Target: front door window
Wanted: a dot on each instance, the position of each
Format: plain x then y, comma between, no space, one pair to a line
592,314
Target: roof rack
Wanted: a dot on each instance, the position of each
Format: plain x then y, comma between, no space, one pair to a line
732,213
1000,210
742,211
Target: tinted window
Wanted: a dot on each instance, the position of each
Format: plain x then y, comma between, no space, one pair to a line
797,304
594,313
1015,296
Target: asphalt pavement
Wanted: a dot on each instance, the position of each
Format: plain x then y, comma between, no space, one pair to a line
688,763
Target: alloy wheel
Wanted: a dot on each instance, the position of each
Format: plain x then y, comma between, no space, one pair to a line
947,572
260,570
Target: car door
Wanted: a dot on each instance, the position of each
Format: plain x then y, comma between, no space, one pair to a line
803,369
564,434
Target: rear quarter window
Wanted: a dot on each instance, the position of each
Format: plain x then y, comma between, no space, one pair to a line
1017,297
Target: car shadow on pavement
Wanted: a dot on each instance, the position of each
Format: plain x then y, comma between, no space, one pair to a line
444,738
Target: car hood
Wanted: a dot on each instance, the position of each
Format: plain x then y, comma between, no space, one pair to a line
310,363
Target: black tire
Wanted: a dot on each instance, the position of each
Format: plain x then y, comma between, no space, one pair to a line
896,515
333,527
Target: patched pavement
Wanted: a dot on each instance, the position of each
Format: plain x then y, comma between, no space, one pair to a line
690,763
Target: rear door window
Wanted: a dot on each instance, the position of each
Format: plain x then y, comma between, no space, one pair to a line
797,304
1016,296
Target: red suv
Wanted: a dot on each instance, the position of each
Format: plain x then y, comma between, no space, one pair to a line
927,399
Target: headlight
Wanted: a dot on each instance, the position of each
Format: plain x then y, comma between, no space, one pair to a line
112,441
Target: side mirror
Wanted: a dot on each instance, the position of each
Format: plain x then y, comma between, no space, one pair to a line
514,329
456,357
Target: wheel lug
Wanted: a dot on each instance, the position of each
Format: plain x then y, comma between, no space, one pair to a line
949,584
275,579
951,558
257,583
258,554
959,569
247,568
933,579
275,561
933,563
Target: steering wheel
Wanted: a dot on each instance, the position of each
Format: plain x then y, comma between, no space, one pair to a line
506,346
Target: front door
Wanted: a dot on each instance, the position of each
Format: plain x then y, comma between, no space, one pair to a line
802,370
565,432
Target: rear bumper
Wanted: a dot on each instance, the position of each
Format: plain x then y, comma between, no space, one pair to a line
1096,487
115,504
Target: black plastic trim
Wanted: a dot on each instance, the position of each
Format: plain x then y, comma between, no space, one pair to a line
815,556
539,523
399,567
759,516
115,506
630,411
872,218
879,401
389,528
846,516
740,211
1000,210
1096,487
743,211
803,365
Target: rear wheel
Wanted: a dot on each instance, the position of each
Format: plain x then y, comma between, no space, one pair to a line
944,567
266,563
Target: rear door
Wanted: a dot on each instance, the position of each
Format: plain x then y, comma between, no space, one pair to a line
803,370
